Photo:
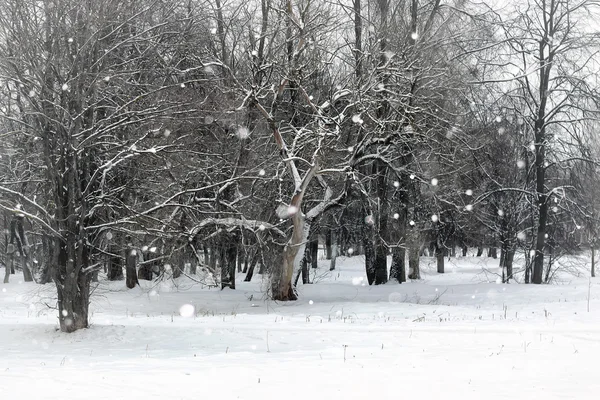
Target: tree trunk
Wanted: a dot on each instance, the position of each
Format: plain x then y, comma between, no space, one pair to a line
593,262
73,285
228,263
130,269
493,252
115,269
479,251
253,262
328,240
439,255
465,250
314,252
369,254
334,249
7,268
508,261
398,268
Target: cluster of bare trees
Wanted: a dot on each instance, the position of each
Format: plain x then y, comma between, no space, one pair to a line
171,137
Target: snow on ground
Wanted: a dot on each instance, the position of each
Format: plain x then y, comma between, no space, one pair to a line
459,335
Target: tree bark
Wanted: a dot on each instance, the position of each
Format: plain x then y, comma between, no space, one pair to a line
593,262
131,279
479,251
398,268
439,255
334,250
328,240
253,262
314,251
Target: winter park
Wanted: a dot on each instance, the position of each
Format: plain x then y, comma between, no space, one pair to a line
309,199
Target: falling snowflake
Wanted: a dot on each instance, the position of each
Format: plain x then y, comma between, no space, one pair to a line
414,35
254,53
469,192
369,220
350,250
520,164
64,313
434,182
261,172
498,119
31,93
396,184
469,207
182,85
350,149
396,215
213,31
261,227
311,302
521,236
501,213
70,40
357,119
65,87
187,310
106,78
412,223
166,133
501,131
109,235
555,209
434,218
412,176
243,132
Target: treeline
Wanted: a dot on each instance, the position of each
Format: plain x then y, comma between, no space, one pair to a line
216,137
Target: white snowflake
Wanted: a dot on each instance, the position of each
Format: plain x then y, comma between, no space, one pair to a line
243,132
186,310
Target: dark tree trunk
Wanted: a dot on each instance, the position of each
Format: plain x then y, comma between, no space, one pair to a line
314,251
115,269
439,255
253,262
593,262
228,261
334,249
73,286
479,251
369,256
493,252
131,279
508,261
381,237
465,250
398,268
328,240
240,260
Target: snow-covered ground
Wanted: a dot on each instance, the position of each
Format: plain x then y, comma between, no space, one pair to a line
460,335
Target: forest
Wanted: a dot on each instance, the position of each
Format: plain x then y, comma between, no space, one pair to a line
152,139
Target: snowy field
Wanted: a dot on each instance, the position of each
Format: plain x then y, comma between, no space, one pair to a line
459,335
